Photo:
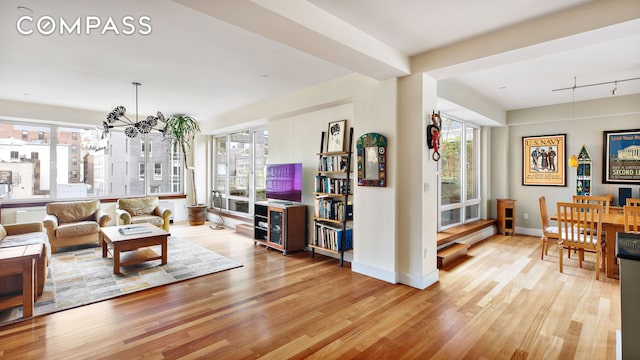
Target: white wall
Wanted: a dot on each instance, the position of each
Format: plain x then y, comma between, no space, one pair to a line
374,208
416,197
591,119
296,121
296,139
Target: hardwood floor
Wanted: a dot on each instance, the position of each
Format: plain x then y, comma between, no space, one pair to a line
501,303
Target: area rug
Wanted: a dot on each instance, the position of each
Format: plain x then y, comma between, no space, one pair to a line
82,277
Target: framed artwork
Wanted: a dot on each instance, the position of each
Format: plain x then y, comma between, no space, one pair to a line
336,131
543,160
372,160
621,157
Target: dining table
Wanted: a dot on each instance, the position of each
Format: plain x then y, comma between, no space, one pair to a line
612,223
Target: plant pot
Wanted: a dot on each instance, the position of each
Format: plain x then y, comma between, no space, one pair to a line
197,214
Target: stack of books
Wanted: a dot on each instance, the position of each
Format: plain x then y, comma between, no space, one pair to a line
134,230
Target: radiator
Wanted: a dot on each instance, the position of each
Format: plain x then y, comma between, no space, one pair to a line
30,215
168,205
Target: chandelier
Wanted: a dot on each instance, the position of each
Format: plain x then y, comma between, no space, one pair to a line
118,118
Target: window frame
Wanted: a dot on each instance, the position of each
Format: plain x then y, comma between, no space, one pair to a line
227,198
77,138
464,202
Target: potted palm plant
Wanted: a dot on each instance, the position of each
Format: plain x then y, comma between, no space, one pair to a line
181,130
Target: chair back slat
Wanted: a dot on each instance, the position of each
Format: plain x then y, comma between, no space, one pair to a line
544,216
580,224
600,200
633,202
580,227
631,219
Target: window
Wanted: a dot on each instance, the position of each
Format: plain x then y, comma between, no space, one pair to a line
25,135
459,175
85,164
261,146
142,149
239,169
157,171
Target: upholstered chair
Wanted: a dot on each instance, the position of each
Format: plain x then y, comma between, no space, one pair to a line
142,210
74,223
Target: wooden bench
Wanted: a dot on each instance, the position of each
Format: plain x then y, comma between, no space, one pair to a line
455,251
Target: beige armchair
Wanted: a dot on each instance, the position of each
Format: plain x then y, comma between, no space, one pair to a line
142,210
74,223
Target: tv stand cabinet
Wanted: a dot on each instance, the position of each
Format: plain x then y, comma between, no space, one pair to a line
281,226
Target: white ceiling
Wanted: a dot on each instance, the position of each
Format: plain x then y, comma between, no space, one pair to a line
210,57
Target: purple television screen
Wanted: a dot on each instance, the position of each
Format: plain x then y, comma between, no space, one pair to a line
284,182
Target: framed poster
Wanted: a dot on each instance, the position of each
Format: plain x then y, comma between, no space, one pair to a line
543,160
621,157
336,131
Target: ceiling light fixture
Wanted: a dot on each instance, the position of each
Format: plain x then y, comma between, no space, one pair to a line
615,82
615,88
118,118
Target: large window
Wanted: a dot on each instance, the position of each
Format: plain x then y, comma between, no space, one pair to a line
239,166
459,173
86,165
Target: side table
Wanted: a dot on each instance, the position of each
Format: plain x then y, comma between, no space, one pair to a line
21,260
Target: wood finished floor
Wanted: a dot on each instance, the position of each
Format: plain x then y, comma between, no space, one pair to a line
501,303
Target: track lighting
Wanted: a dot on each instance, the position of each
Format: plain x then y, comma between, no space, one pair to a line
613,92
615,88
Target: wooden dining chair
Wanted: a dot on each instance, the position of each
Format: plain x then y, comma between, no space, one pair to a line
631,219
549,233
600,200
633,202
580,228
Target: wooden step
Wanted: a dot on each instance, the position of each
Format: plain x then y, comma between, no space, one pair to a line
245,229
459,231
451,253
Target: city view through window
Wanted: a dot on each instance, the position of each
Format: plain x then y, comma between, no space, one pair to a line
42,161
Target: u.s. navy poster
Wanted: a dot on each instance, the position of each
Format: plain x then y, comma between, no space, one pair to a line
543,160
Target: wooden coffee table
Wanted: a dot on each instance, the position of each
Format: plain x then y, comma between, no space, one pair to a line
134,248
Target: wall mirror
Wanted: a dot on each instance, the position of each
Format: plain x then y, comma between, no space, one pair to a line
372,160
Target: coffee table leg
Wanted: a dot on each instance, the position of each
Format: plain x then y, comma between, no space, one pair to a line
165,251
116,259
105,249
28,285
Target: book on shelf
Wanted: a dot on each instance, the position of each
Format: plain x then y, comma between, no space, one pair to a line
332,209
329,185
134,230
329,237
333,163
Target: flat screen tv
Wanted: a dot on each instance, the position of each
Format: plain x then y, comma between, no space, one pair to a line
284,182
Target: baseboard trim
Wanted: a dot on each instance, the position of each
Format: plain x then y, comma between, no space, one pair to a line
374,272
420,282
